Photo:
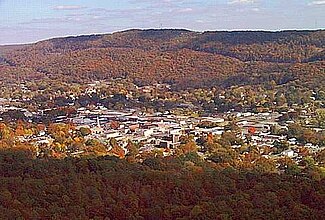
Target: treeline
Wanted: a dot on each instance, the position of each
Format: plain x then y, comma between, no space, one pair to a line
159,188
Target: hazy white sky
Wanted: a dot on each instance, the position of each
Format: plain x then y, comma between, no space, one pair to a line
23,21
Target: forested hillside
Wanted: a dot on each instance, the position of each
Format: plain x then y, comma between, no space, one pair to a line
178,57
170,188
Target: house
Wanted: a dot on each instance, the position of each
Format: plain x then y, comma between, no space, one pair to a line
134,127
292,141
112,134
212,119
148,132
97,129
168,144
288,153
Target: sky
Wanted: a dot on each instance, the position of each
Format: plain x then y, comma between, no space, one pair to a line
26,21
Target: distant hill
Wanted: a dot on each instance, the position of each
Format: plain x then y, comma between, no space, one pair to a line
8,48
180,57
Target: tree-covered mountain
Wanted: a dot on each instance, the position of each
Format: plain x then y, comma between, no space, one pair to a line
179,57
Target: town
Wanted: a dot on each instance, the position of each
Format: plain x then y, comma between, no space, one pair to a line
275,134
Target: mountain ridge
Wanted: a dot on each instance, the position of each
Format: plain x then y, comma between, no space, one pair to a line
175,56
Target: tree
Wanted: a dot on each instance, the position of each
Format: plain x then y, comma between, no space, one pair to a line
281,146
188,145
320,118
133,151
295,130
116,149
4,131
114,125
229,139
280,99
85,131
